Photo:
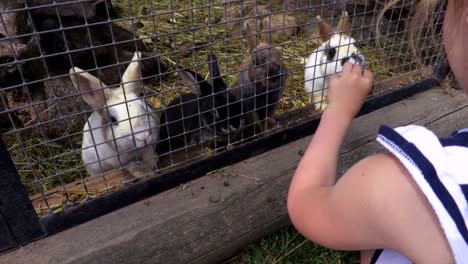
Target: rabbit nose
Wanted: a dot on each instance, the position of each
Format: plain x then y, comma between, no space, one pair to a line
362,60
359,59
142,136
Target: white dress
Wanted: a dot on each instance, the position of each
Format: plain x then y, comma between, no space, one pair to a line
440,168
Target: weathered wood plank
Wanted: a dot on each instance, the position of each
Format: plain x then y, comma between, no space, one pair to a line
432,107
213,217
443,127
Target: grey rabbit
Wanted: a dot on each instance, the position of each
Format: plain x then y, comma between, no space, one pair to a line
261,82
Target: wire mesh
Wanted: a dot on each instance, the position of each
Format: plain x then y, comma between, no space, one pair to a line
96,94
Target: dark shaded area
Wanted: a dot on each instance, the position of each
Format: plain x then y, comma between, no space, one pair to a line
70,35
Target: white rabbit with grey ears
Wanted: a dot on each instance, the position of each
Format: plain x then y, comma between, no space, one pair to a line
335,50
121,131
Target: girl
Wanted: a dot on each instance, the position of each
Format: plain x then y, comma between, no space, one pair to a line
408,205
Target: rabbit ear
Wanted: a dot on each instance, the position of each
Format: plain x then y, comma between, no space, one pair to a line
251,37
218,83
191,81
131,78
266,31
324,29
344,25
92,88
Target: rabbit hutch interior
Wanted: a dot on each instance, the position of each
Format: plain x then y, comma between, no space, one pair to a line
109,98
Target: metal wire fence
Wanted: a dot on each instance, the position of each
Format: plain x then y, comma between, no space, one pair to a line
98,94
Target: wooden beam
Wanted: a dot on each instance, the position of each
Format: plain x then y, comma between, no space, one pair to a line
19,223
212,218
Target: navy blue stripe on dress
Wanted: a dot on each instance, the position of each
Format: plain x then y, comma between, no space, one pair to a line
376,256
461,131
460,140
464,188
430,175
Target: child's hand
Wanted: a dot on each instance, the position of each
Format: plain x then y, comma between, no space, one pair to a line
346,93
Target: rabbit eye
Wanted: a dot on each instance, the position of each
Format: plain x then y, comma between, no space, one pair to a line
331,52
113,120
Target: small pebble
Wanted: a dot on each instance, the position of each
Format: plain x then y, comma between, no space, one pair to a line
203,187
214,198
226,184
300,152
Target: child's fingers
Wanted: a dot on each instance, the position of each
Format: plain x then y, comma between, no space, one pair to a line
347,67
357,69
368,74
333,77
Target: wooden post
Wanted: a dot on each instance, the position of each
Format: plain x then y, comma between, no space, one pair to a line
19,223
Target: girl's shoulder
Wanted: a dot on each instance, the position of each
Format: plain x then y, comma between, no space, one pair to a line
439,166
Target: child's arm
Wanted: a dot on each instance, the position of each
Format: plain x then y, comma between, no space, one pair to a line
316,207
315,177
376,204
346,95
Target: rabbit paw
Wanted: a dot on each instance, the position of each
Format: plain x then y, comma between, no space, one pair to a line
149,161
271,123
320,102
136,170
151,164
321,106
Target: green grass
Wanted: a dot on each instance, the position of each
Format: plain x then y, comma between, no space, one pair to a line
288,246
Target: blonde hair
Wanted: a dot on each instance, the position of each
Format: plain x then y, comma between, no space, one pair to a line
426,16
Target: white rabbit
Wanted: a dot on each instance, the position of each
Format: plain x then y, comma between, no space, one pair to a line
336,49
121,131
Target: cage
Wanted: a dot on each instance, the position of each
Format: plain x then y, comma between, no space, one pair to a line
101,95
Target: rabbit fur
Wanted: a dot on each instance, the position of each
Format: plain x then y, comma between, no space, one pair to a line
208,112
336,49
261,81
123,128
